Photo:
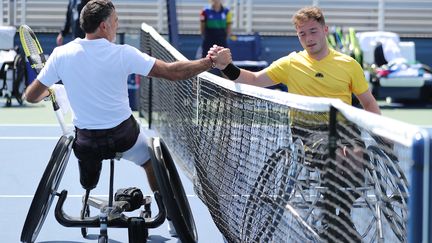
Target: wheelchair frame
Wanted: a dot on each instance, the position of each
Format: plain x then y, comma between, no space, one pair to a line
301,188
111,212
18,79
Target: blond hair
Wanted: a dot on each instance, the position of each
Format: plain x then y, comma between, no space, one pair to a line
308,13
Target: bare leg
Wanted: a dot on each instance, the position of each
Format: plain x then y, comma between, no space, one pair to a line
150,175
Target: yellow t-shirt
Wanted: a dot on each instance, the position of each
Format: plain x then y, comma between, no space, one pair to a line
336,76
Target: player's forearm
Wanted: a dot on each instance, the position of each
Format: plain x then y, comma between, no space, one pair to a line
368,102
187,69
247,77
244,76
181,70
372,107
36,92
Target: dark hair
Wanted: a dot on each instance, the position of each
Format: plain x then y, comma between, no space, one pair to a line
95,12
308,13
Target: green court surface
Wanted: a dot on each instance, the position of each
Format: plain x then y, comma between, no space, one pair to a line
420,117
42,113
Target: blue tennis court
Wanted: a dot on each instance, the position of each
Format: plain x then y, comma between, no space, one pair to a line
26,149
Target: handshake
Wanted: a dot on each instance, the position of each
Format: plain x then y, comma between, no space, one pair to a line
222,59
220,56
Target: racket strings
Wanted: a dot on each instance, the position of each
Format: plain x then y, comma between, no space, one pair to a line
34,55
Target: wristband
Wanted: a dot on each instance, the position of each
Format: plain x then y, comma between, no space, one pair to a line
231,71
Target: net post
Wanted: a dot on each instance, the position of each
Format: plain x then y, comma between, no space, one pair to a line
419,202
329,199
122,38
332,133
428,173
172,23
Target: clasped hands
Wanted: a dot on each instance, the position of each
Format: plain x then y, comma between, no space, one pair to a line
220,56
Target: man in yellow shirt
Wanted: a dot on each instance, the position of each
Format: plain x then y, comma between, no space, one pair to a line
316,71
320,72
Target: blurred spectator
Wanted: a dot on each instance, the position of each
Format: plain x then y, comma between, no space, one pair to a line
72,21
216,23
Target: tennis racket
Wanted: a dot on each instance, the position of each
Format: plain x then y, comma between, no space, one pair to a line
34,53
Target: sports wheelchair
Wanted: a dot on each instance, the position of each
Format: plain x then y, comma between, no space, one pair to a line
171,200
291,189
13,74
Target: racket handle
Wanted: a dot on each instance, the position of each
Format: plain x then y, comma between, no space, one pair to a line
60,119
57,111
56,107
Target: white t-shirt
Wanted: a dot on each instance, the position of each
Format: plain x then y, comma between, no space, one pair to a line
94,73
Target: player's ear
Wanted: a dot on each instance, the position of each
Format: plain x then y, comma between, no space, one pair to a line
326,29
102,25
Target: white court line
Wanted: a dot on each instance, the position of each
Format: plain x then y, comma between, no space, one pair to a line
32,125
74,196
30,138
30,196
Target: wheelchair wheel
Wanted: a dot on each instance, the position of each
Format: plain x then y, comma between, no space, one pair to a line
46,189
18,77
273,189
173,194
391,187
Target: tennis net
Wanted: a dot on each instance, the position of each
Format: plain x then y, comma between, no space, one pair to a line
278,167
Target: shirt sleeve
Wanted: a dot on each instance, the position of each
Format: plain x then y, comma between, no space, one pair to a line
137,61
49,75
278,70
229,17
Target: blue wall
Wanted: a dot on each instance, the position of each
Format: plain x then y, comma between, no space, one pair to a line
273,47
423,49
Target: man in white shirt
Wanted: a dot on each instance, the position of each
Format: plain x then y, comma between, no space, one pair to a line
94,72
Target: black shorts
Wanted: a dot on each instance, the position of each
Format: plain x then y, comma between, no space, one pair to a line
95,145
